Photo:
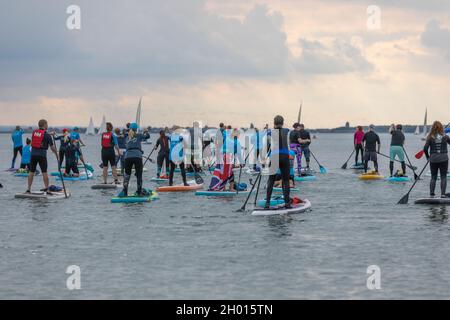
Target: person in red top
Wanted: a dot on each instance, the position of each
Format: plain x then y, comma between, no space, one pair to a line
109,143
357,141
40,142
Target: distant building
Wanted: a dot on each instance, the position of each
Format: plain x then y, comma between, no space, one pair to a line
347,124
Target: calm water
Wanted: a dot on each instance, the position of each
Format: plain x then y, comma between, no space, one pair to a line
190,247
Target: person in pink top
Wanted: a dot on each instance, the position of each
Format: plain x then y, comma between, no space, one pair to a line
357,141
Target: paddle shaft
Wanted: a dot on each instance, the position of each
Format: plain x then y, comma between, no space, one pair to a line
320,166
414,184
408,165
148,158
240,170
344,166
250,193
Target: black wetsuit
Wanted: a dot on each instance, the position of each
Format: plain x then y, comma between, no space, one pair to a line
437,152
62,148
280,154
163,155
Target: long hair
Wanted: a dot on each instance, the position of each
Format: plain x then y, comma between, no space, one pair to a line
436,128
131,134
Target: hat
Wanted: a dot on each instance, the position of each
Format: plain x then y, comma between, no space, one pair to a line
372,126
134,126
65,130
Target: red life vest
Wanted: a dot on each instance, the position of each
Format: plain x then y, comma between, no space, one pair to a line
37,139
107,140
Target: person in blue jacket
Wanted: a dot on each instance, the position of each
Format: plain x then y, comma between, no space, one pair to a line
17,140
26,156
176,157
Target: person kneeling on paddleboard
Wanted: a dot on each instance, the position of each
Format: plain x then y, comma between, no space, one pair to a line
396,149
26,156
436,151
163,154
109,144
372,144
279,159
176,156
40,142
133,158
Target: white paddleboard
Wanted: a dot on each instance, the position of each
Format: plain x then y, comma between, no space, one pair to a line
42,195
281,210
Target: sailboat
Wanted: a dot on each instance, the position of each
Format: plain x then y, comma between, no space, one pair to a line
300,113
102,128
138,113
417,132
90,131
425,127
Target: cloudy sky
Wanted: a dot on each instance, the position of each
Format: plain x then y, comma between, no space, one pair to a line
225,60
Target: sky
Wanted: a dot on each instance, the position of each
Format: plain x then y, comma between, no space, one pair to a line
228,61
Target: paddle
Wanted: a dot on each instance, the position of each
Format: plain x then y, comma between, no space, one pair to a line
410,164
148,158
257,191
59,168
344,166
242,209
413,168
419,154
240,170
322,168
405,198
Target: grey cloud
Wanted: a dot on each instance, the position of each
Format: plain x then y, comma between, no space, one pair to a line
435,36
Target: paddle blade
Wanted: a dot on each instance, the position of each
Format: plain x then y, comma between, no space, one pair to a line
344,166
323,170
404,200
198,179
419,154
416,177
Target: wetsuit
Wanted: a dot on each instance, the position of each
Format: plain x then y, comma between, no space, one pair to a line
176,156
72,151
437,152
163,155
133,158
26,157
279,160
40,142
357,141
195,135
76,137
305,146
65,141
371,139
296,148
396,150
16,137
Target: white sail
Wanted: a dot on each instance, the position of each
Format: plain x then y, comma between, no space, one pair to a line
90,131
300,113
417,132
102,128
138,113
425,128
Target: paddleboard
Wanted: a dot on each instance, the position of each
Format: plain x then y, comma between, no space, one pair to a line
80,178
135,199
107,186
281,210
221,193
359,166
398,179
11,170
445,201
275,201
281,189
42,195
180,188
305,178
370,176
159,180
25,174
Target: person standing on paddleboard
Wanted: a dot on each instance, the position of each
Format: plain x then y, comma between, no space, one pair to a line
109,146
372,144
40,142
72,151
279,159
65,141
294,144
305,141
436,151
396,148
17,139
133,158
163,154
122,144
195,150
176,157
357,142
